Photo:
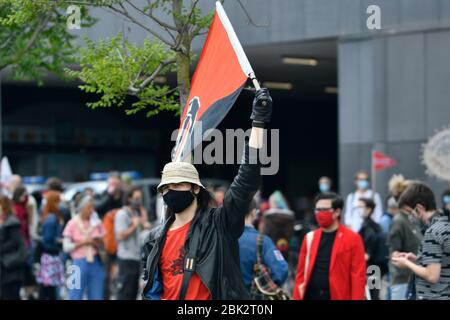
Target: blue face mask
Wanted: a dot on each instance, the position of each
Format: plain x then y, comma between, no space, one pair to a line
362,184
446,200
324,187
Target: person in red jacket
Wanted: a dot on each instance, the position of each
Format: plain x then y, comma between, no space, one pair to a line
332,263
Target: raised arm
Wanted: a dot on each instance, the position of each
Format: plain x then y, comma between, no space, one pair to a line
238,197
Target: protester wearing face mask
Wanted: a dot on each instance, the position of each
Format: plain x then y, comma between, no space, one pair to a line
404,236
332,262
374,243
431,266
325,184
194,254
128,224
352,216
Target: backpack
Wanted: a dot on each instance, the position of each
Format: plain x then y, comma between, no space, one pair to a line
263,287
109,240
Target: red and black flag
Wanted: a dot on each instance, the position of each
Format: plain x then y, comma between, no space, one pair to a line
220,75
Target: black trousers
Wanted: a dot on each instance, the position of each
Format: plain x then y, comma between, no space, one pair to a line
10,291
128,279
47,292
110,260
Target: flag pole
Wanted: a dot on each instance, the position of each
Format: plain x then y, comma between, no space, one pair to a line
255,81
373,172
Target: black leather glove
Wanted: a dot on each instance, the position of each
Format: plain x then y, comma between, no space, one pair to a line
262,107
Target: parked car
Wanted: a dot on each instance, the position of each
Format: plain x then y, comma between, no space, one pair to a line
152,201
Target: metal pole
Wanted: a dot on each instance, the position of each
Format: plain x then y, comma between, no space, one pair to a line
373,173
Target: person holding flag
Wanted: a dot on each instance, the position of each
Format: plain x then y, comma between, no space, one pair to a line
195,253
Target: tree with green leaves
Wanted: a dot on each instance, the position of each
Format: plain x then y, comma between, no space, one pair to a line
34,39
115,68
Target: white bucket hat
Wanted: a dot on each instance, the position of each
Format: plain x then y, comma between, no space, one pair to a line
177,172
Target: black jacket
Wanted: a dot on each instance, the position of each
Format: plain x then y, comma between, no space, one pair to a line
12,251
219,230
107,202
372,234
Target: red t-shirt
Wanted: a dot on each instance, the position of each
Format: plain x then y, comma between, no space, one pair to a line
171,266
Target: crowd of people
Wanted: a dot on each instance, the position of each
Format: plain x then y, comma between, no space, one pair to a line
102,235
224,243
95,236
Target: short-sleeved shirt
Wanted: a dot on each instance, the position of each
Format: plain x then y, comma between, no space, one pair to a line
435,248
129,248
171,265
73,232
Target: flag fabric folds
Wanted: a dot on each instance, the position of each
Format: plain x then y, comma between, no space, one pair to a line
220,75
381,161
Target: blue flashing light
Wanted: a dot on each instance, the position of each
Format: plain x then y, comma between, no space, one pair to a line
131,175
98,176
34,180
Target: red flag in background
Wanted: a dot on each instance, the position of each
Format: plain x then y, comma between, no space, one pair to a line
220,75
381,161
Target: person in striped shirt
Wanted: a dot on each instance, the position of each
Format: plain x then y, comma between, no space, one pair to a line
431,266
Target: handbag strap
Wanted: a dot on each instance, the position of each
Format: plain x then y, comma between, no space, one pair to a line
189,263
309,239
259,248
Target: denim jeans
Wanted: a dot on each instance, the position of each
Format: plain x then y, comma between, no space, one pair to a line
398,291
91,282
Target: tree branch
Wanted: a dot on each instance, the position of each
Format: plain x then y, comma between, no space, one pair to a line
125,13
148,80
250,18
151,15
132,19
182,28
167,27
42,24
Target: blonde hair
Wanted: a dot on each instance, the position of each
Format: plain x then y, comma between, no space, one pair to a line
397,185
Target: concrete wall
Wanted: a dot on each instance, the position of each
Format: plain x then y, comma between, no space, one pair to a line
393,83
393,95
297,20
293,20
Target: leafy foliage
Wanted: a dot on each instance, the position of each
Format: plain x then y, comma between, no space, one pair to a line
34,39
115,68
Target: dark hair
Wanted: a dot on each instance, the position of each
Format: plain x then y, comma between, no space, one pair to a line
251,207
361,172
369,203
418,193
326,178
18,192
204,200
336,200
129,193
54,184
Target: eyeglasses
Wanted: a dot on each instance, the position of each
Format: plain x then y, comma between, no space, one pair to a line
323,209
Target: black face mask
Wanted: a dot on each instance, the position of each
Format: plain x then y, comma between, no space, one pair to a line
178,200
